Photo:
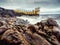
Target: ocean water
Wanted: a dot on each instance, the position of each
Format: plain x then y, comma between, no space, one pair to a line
35,19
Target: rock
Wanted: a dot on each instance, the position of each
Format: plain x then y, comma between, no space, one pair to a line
45,32
2,30
54,40
51,22
50,28
1,24
32,28
21,21
14,37
6,12
35,39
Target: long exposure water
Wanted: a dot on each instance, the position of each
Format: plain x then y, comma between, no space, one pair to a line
35,19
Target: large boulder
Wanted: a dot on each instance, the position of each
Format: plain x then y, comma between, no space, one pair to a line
51,22
13,37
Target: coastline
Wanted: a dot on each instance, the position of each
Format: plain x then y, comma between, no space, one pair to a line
43,32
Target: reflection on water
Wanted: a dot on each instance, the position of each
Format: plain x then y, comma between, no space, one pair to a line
35,19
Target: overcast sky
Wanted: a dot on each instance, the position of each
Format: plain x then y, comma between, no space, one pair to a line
45,5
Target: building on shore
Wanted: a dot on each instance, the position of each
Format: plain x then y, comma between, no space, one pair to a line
33,12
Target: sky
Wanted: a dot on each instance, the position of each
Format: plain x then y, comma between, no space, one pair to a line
46,6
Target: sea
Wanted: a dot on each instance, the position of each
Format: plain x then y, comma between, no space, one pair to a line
35,19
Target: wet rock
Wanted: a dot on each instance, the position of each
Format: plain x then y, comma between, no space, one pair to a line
21,21
1,24
14,37
35,39
51,22
32,28
50,28
45,32
10,36
2,30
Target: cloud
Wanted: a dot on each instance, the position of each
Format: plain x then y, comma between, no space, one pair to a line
49,9
30,3
48,3
2,2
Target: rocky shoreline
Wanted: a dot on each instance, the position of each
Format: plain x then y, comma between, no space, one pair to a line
45,32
